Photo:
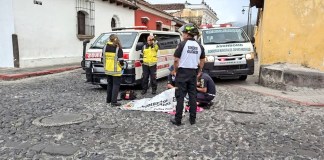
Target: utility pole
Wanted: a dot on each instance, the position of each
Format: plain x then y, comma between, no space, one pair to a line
248,30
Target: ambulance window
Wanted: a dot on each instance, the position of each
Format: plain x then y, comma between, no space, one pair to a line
219,36
167,41
126,39
143,37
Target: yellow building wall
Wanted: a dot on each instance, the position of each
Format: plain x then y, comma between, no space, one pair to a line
292,31
191,13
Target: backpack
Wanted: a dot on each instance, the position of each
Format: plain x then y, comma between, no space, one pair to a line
128,95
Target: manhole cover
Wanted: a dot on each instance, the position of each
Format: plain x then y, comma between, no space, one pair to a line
62,119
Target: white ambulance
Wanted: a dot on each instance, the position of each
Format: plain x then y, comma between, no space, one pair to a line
229,52
132,42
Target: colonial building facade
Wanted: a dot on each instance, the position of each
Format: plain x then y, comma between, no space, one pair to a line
48,32
195,13
154,18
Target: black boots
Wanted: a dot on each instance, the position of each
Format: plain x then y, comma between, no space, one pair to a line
192,121
178,123
173,121
115,104
153,92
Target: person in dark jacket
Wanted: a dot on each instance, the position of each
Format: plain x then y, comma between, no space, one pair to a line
206,90
113,65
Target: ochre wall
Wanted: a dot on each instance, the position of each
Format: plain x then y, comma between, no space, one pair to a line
192,13
292,31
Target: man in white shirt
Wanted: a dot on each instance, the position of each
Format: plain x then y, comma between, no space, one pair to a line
189,61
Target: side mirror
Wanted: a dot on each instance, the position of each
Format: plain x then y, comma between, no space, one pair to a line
86,41
139,46
252,40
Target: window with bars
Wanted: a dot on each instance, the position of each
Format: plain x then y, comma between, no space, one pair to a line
113,23
85,10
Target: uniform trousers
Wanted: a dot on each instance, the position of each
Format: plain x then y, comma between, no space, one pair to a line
186,83
149,71
113,88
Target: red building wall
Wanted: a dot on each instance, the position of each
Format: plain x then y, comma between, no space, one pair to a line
151,25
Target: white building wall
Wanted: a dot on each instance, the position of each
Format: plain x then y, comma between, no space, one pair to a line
105,11
6,31
47,32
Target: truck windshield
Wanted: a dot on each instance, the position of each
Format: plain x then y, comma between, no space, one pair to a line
224,35
126,39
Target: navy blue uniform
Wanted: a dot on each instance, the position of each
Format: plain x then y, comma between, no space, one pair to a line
206,82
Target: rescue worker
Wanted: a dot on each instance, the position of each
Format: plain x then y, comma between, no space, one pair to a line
206,90
189,61
149,54
113,63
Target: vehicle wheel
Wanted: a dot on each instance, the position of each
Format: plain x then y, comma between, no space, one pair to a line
104,86
243,78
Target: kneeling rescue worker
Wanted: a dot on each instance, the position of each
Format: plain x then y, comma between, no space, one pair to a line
188,55
113,63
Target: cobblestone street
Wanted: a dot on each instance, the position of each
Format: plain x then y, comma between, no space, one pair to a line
241,125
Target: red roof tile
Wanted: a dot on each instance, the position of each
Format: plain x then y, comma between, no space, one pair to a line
125,3
174,6
143,2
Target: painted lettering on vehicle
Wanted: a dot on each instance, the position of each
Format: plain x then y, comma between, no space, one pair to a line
228,50
163,66
229,45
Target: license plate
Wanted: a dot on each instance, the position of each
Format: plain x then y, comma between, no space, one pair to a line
229,63
103,81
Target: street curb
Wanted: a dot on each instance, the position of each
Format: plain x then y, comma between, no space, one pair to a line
285,98
9,77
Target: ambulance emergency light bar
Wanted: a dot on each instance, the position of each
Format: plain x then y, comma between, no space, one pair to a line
134,27
204,26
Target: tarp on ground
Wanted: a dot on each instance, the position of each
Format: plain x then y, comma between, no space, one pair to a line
163,102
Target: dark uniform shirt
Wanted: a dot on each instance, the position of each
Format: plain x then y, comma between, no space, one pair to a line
207,81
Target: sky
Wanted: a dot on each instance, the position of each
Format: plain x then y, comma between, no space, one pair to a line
226,10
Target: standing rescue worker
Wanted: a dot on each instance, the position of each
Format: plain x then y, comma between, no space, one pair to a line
189,61
113,63
149,54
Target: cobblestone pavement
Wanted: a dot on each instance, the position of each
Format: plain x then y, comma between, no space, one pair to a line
241,125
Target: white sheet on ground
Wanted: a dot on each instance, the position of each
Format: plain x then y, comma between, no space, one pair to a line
163,102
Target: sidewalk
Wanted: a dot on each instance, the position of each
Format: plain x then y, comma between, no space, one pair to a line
19,73
302,96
